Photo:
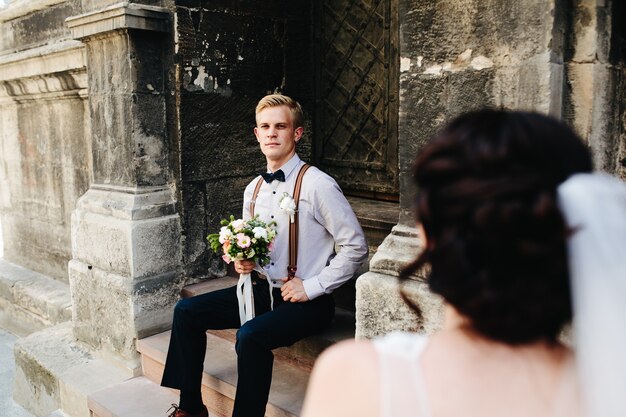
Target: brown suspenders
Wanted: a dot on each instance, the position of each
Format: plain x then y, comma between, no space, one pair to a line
254,194
293,227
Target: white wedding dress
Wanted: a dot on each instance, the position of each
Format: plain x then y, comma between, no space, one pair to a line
403,392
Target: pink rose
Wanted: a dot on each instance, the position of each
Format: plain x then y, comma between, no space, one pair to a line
243,241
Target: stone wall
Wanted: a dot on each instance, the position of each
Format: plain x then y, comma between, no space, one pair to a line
230,54
594,103
458,56
557,57
45,149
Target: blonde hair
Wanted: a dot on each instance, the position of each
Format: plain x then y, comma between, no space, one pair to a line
274,100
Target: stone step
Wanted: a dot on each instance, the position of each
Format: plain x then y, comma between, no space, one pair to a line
30,301
220,376
290,375
137,397
376,217
302,353
54,372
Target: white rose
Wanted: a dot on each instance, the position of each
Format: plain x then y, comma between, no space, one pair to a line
238,225
260,233
225,234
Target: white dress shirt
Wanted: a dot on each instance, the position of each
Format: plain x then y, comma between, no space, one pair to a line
325,219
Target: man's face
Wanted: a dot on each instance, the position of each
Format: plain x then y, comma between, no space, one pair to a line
276,135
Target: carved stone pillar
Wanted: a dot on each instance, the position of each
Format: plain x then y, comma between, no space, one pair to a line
125,229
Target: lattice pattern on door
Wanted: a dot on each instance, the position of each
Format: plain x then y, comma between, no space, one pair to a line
356,135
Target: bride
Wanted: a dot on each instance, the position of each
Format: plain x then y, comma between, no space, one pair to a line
501,195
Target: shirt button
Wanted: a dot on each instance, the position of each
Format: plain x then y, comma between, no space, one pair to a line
272,216
272,263
273,192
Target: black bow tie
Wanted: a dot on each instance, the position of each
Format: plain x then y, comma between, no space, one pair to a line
271,176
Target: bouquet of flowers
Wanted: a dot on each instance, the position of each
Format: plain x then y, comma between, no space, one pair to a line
244,239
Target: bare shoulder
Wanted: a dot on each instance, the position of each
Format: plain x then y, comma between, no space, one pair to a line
347,354
344,382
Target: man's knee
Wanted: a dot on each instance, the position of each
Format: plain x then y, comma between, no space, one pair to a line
248,336
183,311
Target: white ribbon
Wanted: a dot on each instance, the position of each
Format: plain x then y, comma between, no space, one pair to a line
245,298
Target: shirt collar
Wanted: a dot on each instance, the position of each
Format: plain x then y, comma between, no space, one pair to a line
290,165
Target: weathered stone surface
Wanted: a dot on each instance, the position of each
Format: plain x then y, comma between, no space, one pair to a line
110,312
139,246
231,53
59,59
120,16
130,145
54,371
398,249
45,163
380,310
594,80
40,26
45,170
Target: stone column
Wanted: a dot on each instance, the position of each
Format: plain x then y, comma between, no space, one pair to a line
125,229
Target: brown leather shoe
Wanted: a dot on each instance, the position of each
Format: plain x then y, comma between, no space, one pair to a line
182,413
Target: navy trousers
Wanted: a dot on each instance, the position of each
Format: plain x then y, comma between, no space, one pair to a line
270,329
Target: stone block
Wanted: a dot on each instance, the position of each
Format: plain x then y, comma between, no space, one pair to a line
103,309
470,90
102,242
54,372
33,298
533,91
126,234
380,309
18,321
119,16
44,297
110,311
78,382
39,359
129,142
37,25
398,249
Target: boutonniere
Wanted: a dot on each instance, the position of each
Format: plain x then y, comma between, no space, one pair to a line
288,205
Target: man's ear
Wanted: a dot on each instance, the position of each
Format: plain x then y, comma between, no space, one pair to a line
256,133
299,131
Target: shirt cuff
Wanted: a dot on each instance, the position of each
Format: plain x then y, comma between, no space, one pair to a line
312,287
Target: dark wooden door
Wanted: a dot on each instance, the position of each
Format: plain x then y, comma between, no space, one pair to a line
357,108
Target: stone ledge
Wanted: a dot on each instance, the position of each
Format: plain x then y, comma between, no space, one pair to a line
54,372
397,250
380,309
68,55
122,400
45,299
19,8
119,16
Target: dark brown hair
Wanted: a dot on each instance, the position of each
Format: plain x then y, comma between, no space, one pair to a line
495,235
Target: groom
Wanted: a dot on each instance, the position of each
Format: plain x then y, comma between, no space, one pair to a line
302,305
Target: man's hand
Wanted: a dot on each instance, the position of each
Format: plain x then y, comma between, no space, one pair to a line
293,290
244,267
